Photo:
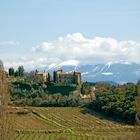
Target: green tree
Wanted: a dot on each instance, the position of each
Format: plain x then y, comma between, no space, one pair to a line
16,73
49,77
21,71
118,105
11,71
55,77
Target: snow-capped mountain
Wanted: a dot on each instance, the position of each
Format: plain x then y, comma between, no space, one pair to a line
120,73
117,72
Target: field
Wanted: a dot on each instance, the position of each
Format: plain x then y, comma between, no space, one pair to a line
69,123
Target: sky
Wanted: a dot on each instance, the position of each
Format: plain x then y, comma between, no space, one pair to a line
44,33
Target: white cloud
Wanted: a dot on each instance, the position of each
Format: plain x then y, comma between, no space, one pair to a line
90,51
75,49
8,42
27,62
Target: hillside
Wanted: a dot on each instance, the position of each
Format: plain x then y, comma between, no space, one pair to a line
71,123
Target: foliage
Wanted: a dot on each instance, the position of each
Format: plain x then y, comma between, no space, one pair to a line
58,100
11,71
116,102
19,72
59,88
32,91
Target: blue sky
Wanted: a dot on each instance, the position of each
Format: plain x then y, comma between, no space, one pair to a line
26,24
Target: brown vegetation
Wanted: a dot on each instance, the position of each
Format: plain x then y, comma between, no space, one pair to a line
5,119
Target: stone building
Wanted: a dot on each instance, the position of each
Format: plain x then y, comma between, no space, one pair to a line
43,75
67,77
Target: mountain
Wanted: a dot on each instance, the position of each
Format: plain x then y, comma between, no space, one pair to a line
117,72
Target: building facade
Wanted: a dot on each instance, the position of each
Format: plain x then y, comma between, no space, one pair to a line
43,75
67,77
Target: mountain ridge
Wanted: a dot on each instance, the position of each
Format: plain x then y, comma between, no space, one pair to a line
116,72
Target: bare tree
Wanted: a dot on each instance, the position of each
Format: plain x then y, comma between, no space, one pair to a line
5,119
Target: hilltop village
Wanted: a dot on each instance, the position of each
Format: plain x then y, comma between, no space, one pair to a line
67,78
59,88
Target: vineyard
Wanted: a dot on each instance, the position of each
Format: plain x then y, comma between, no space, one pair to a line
67,123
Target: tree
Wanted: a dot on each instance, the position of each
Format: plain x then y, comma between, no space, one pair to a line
21,71
49,77
11,71
118,105
55,77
